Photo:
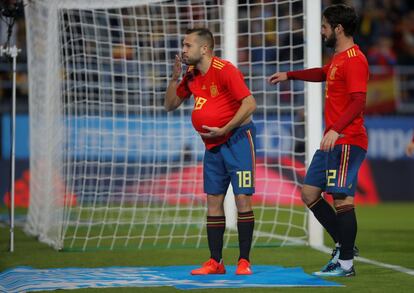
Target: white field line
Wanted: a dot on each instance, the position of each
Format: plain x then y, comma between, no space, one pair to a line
371,262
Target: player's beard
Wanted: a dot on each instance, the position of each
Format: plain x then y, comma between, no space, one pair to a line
330,41
190,61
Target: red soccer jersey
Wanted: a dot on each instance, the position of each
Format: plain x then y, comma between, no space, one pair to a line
217,96
346,74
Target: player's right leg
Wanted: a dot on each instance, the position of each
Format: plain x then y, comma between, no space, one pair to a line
315,183
325,214
216,225
216,182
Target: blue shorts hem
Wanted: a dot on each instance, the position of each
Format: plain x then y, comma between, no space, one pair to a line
214,192
340,190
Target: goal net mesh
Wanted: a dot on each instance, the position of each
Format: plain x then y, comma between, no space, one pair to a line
109,167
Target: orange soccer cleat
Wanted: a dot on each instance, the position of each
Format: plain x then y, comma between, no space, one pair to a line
243,267
210,267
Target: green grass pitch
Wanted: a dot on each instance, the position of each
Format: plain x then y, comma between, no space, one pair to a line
385,234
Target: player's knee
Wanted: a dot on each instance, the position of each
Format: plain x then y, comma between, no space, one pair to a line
215,210
309,195
215,205
341,199
243,203
305,198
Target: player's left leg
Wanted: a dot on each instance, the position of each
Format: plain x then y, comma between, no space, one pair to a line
341,183
240,159
347,227
245,227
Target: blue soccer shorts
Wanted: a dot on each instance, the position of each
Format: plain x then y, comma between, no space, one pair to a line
336,171
233,161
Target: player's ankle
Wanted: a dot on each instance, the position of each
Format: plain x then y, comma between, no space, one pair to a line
346,264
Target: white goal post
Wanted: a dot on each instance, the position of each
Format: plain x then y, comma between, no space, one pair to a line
111,169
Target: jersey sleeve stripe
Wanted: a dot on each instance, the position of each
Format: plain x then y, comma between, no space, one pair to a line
351,53
218,65
218,62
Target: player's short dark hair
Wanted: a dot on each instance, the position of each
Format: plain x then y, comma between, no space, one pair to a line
342,14
203,33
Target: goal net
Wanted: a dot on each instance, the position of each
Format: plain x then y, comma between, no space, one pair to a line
109,167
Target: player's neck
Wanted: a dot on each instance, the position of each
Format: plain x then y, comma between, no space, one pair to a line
204,64
344,44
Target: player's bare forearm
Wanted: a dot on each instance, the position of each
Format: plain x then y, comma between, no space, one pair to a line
172,101
242,116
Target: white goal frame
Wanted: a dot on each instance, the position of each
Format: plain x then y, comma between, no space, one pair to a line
47,223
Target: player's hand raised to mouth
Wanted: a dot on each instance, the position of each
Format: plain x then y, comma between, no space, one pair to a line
177,68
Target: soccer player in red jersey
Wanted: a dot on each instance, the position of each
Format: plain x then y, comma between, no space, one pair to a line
334,167
223,106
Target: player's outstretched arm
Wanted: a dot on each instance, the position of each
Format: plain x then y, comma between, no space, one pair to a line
316,74
277,77
172,101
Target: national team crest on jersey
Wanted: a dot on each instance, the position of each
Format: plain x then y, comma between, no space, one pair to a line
214,90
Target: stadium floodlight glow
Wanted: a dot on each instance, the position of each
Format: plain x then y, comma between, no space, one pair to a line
109,167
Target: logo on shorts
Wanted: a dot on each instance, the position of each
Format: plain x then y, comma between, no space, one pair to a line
214,90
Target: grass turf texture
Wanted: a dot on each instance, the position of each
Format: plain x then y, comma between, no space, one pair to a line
385,234
127,225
